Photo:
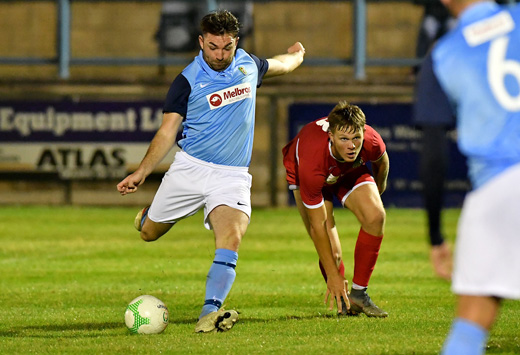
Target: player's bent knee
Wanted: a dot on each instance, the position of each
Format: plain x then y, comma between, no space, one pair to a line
147,237
375,222
381,217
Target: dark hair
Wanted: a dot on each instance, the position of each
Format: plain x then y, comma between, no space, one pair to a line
346,117
220,22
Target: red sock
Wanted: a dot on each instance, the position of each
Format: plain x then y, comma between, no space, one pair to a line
341,269
365,257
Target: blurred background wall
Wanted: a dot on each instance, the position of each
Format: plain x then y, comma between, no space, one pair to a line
28,29
128,28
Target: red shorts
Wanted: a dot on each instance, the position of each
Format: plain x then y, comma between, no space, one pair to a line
348,183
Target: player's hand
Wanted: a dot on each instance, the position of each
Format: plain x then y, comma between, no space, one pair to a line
442,261
297,47
129,184
337,288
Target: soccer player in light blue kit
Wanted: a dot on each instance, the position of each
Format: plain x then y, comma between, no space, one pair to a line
214,99
475,70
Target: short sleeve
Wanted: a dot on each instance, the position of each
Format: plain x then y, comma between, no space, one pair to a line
263,66
373,145
178,95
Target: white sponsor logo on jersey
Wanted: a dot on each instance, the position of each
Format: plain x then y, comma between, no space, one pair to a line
487,29
229,95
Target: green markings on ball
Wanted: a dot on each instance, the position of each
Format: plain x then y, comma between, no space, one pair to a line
138,320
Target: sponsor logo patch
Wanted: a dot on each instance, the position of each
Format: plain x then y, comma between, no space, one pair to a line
485,30
331,179
229,95
215,100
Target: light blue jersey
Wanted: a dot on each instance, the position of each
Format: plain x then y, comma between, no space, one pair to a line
478,67
219,108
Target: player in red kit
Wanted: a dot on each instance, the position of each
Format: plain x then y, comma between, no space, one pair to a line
328,158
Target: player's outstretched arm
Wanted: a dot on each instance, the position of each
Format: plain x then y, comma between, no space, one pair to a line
161,144
336,284
286,63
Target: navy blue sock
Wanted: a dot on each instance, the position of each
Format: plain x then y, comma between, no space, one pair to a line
143,217
220,278
466,338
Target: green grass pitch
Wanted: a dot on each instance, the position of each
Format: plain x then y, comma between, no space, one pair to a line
67,274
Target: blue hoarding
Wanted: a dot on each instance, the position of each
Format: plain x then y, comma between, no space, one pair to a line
403,142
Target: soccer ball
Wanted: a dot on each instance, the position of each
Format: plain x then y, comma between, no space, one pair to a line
146,315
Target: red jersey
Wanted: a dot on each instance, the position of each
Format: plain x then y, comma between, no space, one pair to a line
310,164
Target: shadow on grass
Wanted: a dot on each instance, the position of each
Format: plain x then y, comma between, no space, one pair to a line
70,330
505,344
61,330
291,318
74,330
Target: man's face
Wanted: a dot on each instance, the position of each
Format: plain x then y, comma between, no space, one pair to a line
346,144
218,50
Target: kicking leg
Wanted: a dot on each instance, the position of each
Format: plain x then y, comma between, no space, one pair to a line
150,230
